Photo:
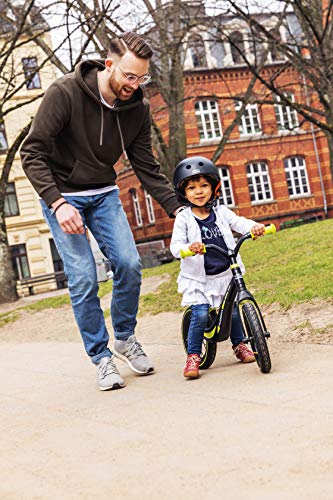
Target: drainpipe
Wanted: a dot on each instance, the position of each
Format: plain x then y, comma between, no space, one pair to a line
314,140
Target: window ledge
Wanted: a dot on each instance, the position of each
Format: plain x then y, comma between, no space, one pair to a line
209,141
298,196
286,131
264,202
255,134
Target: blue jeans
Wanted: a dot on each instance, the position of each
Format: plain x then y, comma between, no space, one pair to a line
103,214
198,324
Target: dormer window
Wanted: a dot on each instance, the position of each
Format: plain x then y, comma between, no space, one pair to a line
197,50
237,46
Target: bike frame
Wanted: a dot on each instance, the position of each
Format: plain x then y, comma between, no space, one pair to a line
236,291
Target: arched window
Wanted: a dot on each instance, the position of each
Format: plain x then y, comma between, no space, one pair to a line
250,121
31,73
226,187
136,206
208,120
237,46
297,176
150,207
286,117
259,182
197,49
11,205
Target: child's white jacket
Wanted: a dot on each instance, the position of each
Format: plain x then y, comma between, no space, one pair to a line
186,230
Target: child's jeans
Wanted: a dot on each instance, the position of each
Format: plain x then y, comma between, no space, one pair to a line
198,324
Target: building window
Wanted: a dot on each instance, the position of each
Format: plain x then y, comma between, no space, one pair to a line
20,261
226,188
137,209
31,74
197,49
3,138
274,44
11,205
208,120
297,177
237,46
259,182
150,207
250,123
286,117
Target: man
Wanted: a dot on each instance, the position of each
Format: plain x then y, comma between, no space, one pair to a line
86,120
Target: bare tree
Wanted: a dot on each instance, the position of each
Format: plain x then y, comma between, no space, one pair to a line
298,38
21,27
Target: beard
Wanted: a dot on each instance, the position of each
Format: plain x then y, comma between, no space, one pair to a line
122,92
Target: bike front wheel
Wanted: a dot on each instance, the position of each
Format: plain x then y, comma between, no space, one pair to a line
208,351
255,333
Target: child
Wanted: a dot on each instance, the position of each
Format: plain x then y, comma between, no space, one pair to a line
203,278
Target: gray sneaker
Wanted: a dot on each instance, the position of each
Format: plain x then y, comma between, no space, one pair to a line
131,351
108,377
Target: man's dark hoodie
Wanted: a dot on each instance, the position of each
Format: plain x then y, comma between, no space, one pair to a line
75,140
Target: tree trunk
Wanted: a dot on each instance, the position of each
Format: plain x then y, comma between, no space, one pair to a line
8,292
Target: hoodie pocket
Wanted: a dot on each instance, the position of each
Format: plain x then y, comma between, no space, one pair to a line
84,174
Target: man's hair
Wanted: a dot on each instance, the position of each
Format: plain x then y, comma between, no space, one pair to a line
130,41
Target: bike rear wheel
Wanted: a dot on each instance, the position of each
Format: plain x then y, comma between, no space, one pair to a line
208,352
256,334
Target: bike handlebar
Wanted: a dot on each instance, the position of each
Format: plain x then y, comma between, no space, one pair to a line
270,229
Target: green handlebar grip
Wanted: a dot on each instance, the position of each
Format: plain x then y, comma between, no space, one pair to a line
271,229
188,253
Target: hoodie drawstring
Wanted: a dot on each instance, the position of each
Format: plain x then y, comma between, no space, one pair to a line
102,127
121,138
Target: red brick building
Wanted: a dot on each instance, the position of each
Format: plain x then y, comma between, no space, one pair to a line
274,168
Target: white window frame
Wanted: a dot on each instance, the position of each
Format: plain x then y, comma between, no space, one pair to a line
297,176
150,207
250,119
259,182
226,187
208,120
286,117
137,209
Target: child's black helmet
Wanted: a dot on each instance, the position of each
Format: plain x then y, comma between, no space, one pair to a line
193,167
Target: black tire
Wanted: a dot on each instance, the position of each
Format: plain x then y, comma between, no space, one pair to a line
208,352
255,333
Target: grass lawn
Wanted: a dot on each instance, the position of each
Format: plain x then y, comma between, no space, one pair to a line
293,266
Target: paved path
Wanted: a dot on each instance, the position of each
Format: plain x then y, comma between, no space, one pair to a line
233,434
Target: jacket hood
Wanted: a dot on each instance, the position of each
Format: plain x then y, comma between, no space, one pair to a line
86,76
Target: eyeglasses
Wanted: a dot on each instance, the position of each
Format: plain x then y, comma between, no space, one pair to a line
143,80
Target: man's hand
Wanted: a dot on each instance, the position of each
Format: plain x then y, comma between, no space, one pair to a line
179,209
68,217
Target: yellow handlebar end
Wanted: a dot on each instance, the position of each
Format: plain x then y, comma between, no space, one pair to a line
271,229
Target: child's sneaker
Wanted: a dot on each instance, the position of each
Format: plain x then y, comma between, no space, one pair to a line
244,353
191,369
